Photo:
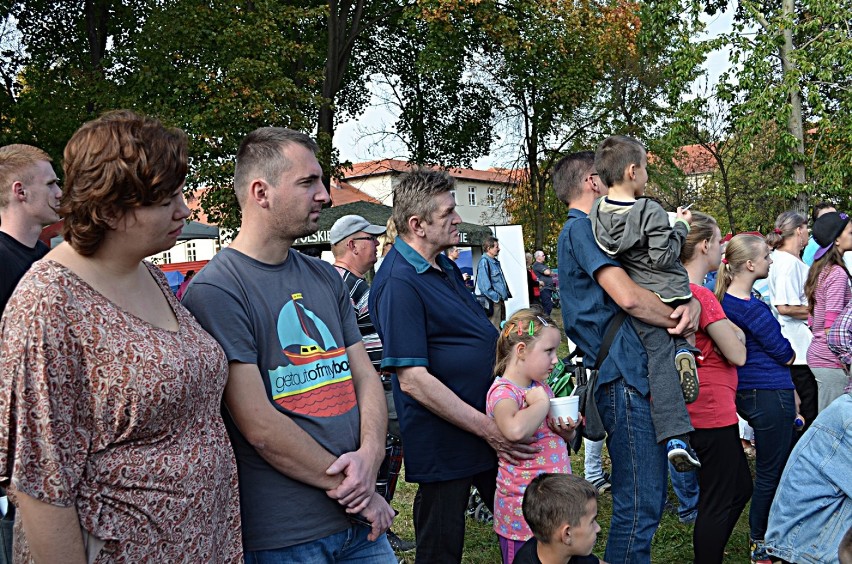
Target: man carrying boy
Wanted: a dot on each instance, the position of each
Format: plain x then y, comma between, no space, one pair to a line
637,232
598,288
562,512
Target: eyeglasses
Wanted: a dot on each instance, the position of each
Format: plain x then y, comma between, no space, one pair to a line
372,238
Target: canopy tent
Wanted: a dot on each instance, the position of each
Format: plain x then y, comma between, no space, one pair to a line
175,278
192,230
470,234
196,230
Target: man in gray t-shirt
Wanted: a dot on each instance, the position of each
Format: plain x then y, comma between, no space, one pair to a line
305,411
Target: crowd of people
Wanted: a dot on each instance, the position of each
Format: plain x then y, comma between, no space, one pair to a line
264,416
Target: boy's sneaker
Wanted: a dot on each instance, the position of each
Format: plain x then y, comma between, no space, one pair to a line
681,455
685,363
602,484
759,554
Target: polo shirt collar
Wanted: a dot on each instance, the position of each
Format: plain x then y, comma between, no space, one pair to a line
579,214
416,260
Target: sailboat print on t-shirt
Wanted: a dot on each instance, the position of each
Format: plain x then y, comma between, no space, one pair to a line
315,379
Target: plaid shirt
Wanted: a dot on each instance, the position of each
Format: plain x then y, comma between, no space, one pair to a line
840,336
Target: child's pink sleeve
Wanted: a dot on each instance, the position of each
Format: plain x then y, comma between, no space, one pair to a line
501,392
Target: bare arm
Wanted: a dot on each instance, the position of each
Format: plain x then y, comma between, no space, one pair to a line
53,533
794,311
417,382
724,335
282,443
645,305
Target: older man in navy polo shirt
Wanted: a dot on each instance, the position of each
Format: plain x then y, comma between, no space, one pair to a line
596,287
440,346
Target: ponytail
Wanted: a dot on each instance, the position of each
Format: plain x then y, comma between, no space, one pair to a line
785,227
724,276
741,249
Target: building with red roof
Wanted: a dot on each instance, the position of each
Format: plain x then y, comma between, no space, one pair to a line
480,194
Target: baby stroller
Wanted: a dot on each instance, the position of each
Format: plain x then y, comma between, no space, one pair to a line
477,510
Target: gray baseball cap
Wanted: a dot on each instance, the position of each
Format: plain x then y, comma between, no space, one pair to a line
349,225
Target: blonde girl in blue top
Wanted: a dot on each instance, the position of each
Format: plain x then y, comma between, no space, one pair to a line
519,402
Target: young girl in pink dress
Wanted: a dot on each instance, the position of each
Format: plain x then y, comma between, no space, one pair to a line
519,401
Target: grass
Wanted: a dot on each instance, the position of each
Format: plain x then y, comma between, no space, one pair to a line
672,542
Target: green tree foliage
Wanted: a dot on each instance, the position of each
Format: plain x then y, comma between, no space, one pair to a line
232,67
792,67
645,85
57,67
444,113
620,68
547,62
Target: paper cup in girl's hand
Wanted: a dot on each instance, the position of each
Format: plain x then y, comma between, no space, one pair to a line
565,407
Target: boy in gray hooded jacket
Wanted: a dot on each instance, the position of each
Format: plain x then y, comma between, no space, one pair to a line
638,233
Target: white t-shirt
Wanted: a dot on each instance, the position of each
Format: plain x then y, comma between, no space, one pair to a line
787,277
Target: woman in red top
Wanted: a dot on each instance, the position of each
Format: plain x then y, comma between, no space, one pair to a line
724,479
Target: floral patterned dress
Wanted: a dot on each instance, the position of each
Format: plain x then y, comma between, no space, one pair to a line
120,419
512,480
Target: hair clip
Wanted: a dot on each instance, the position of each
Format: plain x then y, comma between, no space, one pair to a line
520,330
507,328
778,231
724,261
543,322
532,328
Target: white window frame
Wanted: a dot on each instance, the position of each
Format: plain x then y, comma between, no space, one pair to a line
191,252
471,195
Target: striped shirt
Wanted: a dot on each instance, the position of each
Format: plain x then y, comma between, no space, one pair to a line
359,293
830,299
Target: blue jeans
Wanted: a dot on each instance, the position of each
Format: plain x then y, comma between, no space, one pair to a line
350,545
546,300
807,523
771,414
638,472
685,486
593,468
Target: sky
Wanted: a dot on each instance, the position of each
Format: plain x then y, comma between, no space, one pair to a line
356,144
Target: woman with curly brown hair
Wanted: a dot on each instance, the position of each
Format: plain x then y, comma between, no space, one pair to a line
109,389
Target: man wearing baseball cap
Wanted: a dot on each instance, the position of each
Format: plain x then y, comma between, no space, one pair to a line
354,244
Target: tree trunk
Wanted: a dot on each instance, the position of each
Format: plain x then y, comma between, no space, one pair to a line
794,121
96,13
788,66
